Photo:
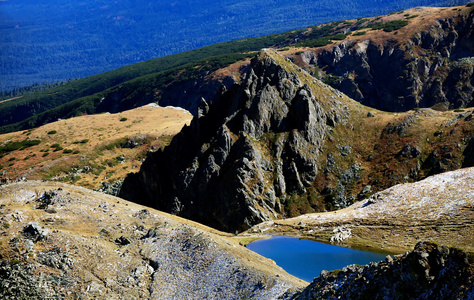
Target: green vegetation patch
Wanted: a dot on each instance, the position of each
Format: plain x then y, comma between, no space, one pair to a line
18,145
84,141
359,33
56,147
389,26
114,144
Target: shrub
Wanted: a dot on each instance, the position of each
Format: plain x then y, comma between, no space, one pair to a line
12,146
359,33
123,119
389,26
57,147
52,132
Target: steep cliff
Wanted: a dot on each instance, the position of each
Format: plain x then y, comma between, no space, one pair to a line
235,164
282,143
419,67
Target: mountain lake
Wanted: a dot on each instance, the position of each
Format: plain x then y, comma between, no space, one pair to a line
306,259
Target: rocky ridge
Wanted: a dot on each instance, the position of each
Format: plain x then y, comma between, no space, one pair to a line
237,161
434,65
281,143
65,242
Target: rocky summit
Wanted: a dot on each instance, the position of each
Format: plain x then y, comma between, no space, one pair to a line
239,157
59,241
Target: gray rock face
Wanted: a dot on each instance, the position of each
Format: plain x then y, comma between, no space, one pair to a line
434,67
469,154
35,232
237,161
428,272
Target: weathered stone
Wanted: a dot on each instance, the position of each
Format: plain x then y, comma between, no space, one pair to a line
428,272
35,232
409,151
469,154
394,77
122,241
257,141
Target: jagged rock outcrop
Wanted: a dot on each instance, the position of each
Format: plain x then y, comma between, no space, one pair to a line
436,66
238,160
427,272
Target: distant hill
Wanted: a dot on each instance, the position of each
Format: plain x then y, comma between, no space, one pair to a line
47,41
182,79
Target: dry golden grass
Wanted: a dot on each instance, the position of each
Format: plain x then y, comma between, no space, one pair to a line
437,209
84,227
90,140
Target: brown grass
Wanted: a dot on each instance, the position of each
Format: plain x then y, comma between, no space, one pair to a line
89,135
425,18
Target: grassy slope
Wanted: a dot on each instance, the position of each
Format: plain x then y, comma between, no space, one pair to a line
93,141
83,227
437,209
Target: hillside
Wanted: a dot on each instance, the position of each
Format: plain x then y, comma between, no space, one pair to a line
438,209
182,79
281,143
90,149
420,57
47,41
63,241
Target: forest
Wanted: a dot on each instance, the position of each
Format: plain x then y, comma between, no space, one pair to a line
51,41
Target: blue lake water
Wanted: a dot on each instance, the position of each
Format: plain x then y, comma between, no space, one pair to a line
306,259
